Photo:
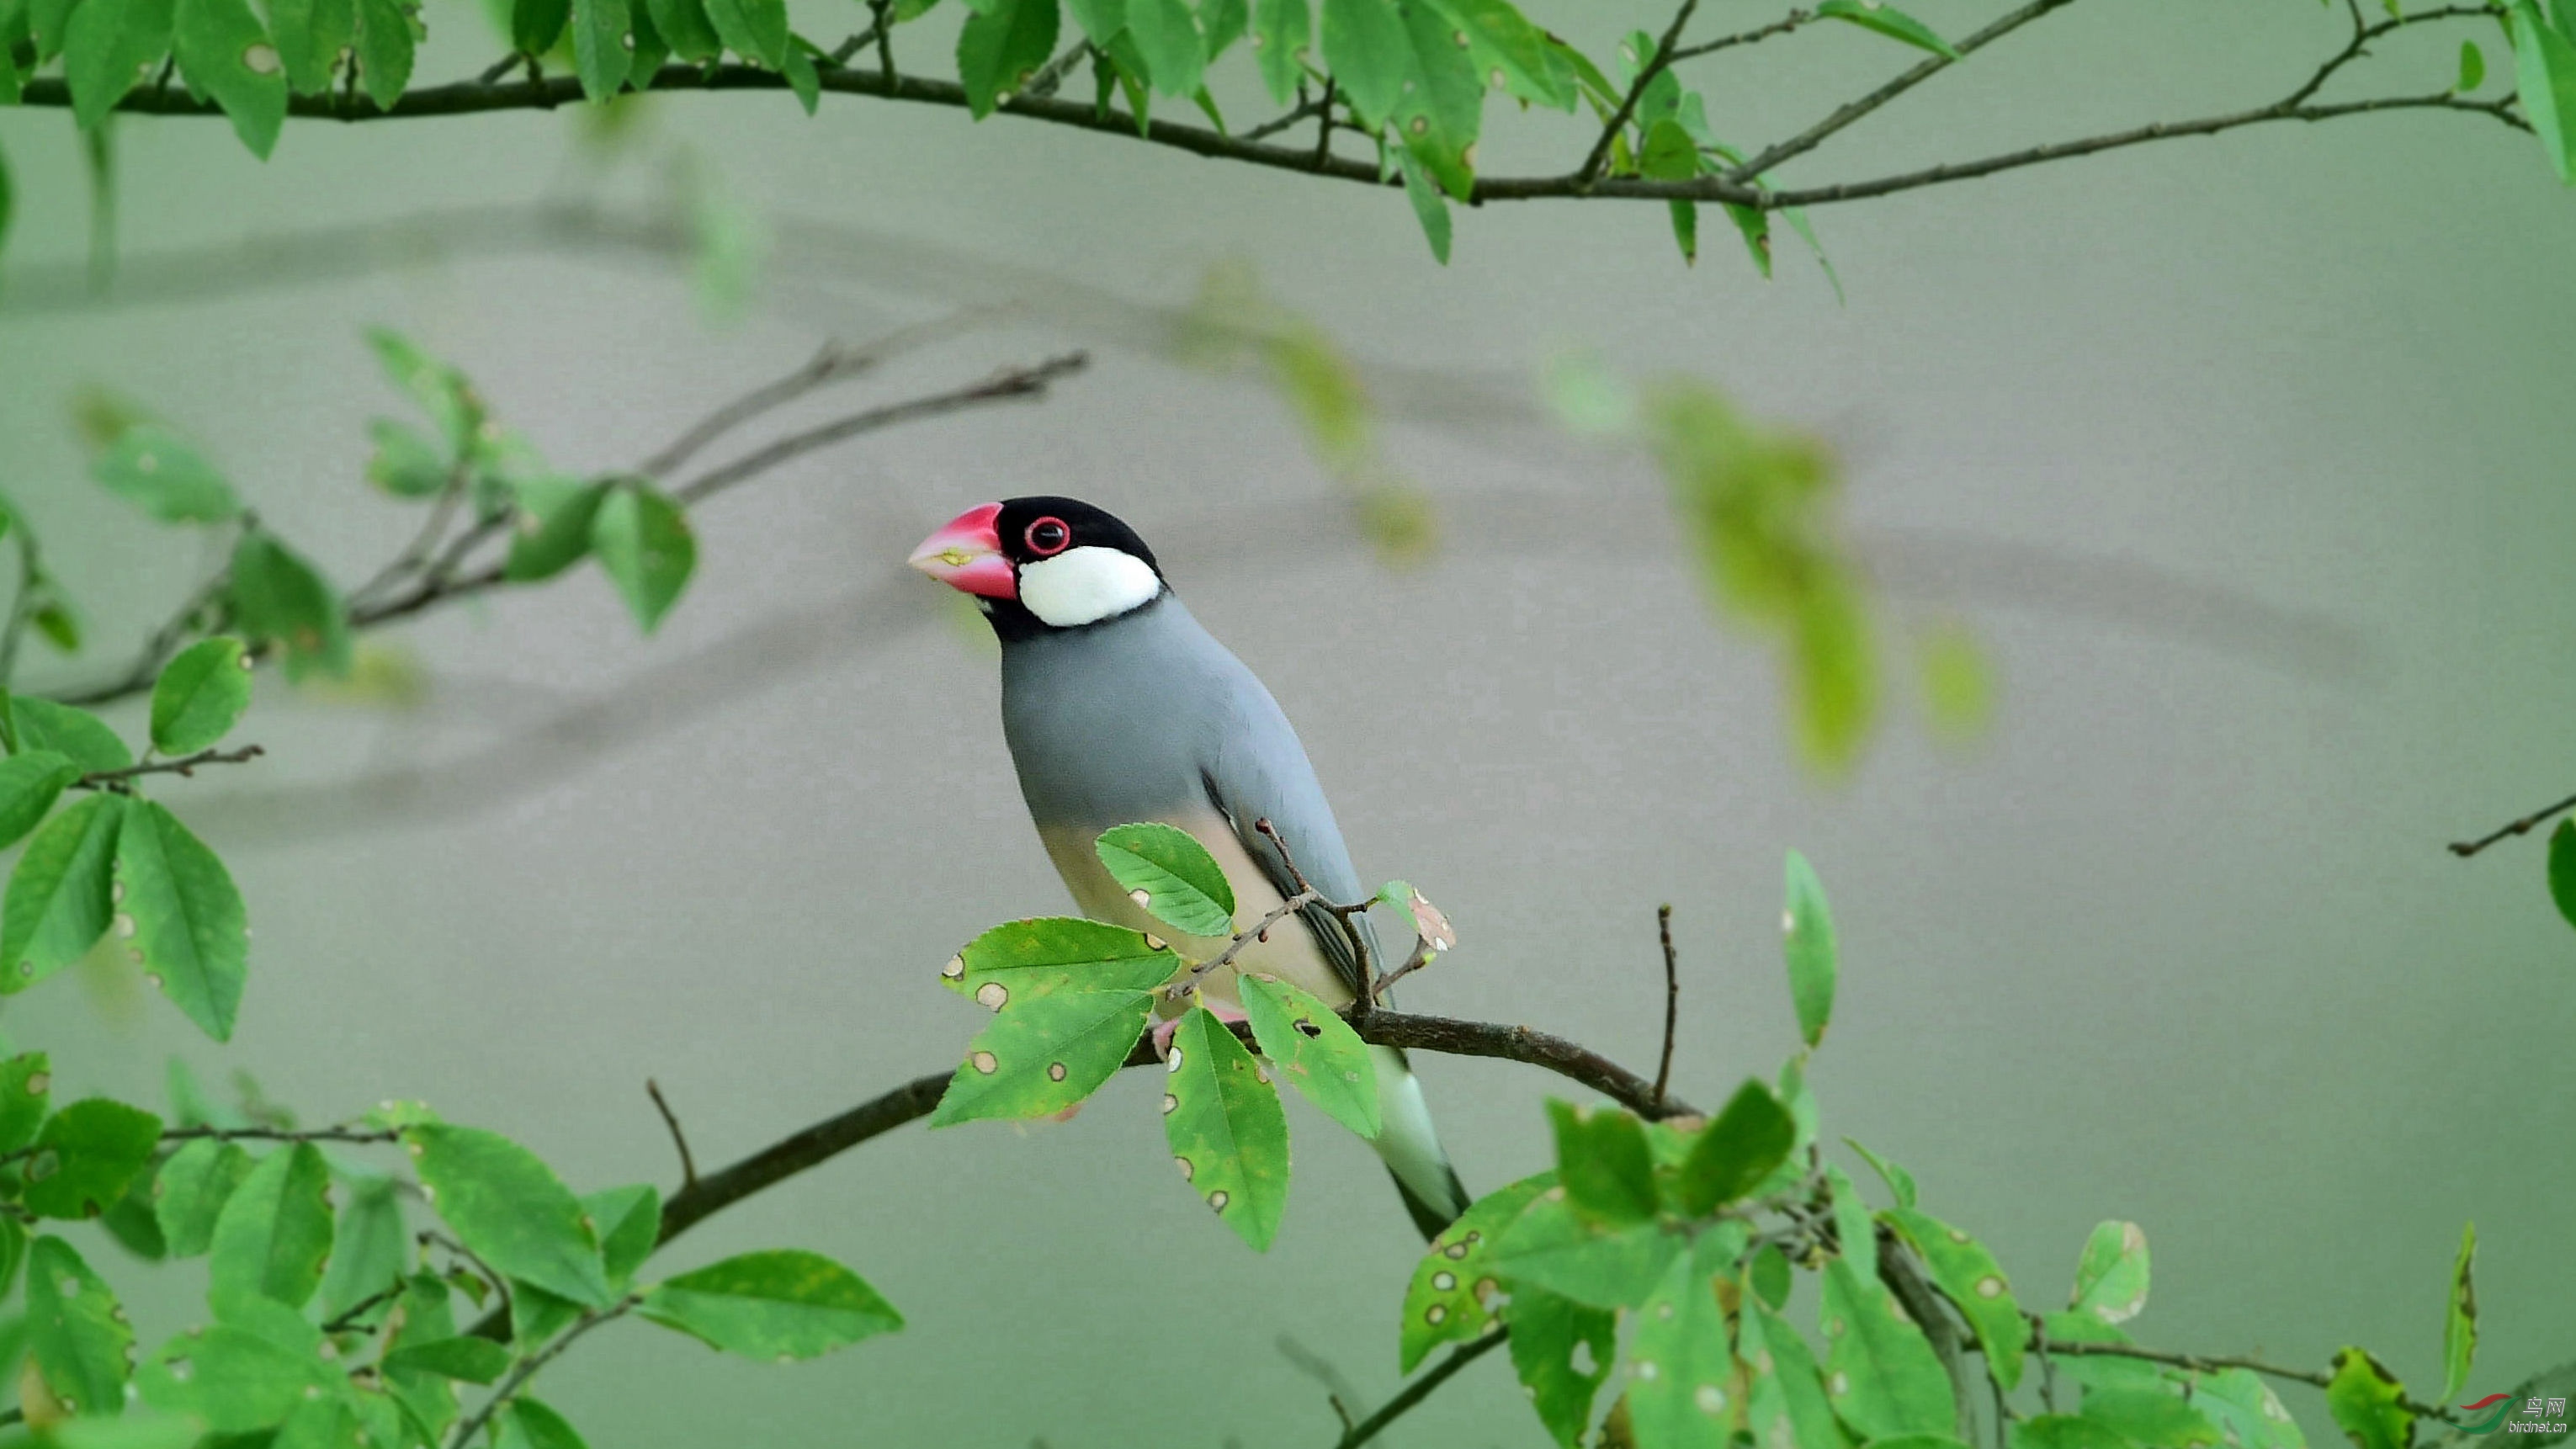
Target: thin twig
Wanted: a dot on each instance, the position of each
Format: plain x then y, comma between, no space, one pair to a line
500,1285
1047,80
679,1139
1418,1390
184,766
1260,931
2466,848
842,52
1755,36
501,67
348,1317
1672,999
1648,67
1324,127
1282,122
1365,990
885,40
1423,955
432,529
526,1369
2213,1363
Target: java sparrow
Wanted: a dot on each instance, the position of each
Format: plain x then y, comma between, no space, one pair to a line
1119,707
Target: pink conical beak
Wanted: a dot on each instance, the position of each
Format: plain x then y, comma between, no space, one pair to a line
966,555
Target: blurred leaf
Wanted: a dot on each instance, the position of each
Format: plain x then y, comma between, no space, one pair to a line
2460,1317
1889,21
161,472
1452,1296
1749,1139
26,1083
2065,1431
88,1154
369,1247
191,1190
130,1221
551,530
1681,1363
1399,520
643,541
1552,1339
277,595
440,390
1766,1275
191,932
1588,1262
1807,927
1167,35
200,696
1100,20
1603,1163
76,1331
1225,22
275,1233
1226,1130
29,784
1056,952
773,1305
2367,1402
2473,67
629,1224
59,898
1002,44
1787,1407
1900,1183
230,1378
529,1424
385,49
474,1360
1429,208
1366,49
1281,33
2151,1415
1881,1374
2247,1409
225,52
1314,1050
510,1208
2111,1278
2544,63
599,56
1685,217
82,737
1168,873
105,48
1669,154
1971,1278
2562,874
536,25
310,35
1054,1040
1958,683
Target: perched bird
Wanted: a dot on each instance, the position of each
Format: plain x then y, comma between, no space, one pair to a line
1119,707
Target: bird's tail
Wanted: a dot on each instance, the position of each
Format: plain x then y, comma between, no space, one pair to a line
1411,1147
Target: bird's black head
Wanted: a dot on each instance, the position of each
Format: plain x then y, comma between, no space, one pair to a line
1043,563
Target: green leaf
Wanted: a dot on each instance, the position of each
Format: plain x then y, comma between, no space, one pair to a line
200,696
13,1253
150,466
277,595
2544,68
1589,1262
275,1233
1889,21
599,54
1685,219
2367,1402
1451,1297
2473,67
231,1378
1881,1373
310,36
1100,20
2065,1431
1226,1130
82,737
440,391
2247,1409
1002,44
106,47
1441,109
1366,49
369,1246
405,464
511,1209
26,1082
753,29
1767,1275
1281,32
130,1222
1167,872
2111,1277
1970,1277
225,52
529,1424
1167,35
1508,52
76,1332
629,1223
29,785
1900,1183
780,1304
1747,1142
385,49
2460,1317
802,78
1314,1050
551,530
1681,1362
47,22
474,1360
190,1192
191,931
1056,953
1430,208
1807,924
1549,1331
2151,1415
643,541
537,1315
1788,1407
686,28
1054,1040
331,1423
59,898
1603,1163
2562,875
535,25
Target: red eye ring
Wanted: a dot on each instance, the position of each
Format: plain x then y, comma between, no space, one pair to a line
1057,536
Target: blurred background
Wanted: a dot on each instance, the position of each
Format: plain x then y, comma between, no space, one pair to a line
2245,460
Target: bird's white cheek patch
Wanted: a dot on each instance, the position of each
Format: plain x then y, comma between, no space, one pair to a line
1086,585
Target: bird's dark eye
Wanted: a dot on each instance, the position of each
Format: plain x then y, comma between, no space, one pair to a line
1048,536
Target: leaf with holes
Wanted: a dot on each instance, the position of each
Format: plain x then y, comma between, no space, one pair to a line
1807,928
1508,52
1880,1370
385,47
69,731
189,1194
1681,1363
1553,1340
369,1246
774,1305
629,1221
1054,1040
2460,1316
2151,1415
550,529
76,1332
200,696
511,1209
2367,1402
26,1085
1441,109
1889,21
1166,871
1281,31
191,931
1058,952
2247,1410
1970,1277
1450,1299
1226,1130
1746,1143
277,595
310,36
231,1379
225,53
2111,1277
1314,1050
1786,1404
106,45
643,541
1589,1262
29,785
274,1235
154,468
88,1154
1001,45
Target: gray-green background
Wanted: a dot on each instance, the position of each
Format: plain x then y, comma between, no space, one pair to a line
2245,457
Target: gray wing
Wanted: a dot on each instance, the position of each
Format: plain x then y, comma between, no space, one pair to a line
1261,773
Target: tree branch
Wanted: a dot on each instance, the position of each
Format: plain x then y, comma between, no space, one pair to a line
184,766
1648,67
2466,848
1672,999
2042,1344
1420,1389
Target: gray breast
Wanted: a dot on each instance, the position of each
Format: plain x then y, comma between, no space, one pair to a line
1117,721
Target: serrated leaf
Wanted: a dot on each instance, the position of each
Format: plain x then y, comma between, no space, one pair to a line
1366,50
276,595
629,1223
1313,1050
225,53
60,900
1002,44
551,528
643,541
148,465
2368,1403
1225,1127
76,1332
1889,21
511,1209
106,46
2544,67
1881,1374
191,1189
1168,873
274,1235
774,1305
1440,111
1430,208
1100,20
529,1424
1681,1362
369,1247
686,28
1551,1335
1748,1140
2111,1277
230,1379
1509,53
76,734
310,35
1167,36
1052,1043
191,933
599,55
1604,1163
1807,928
1787,1407
1971,1278
1451,1297
200,696
2460,1316
753,29
1056,952
384,49
29,785
1281,30
1589,1262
